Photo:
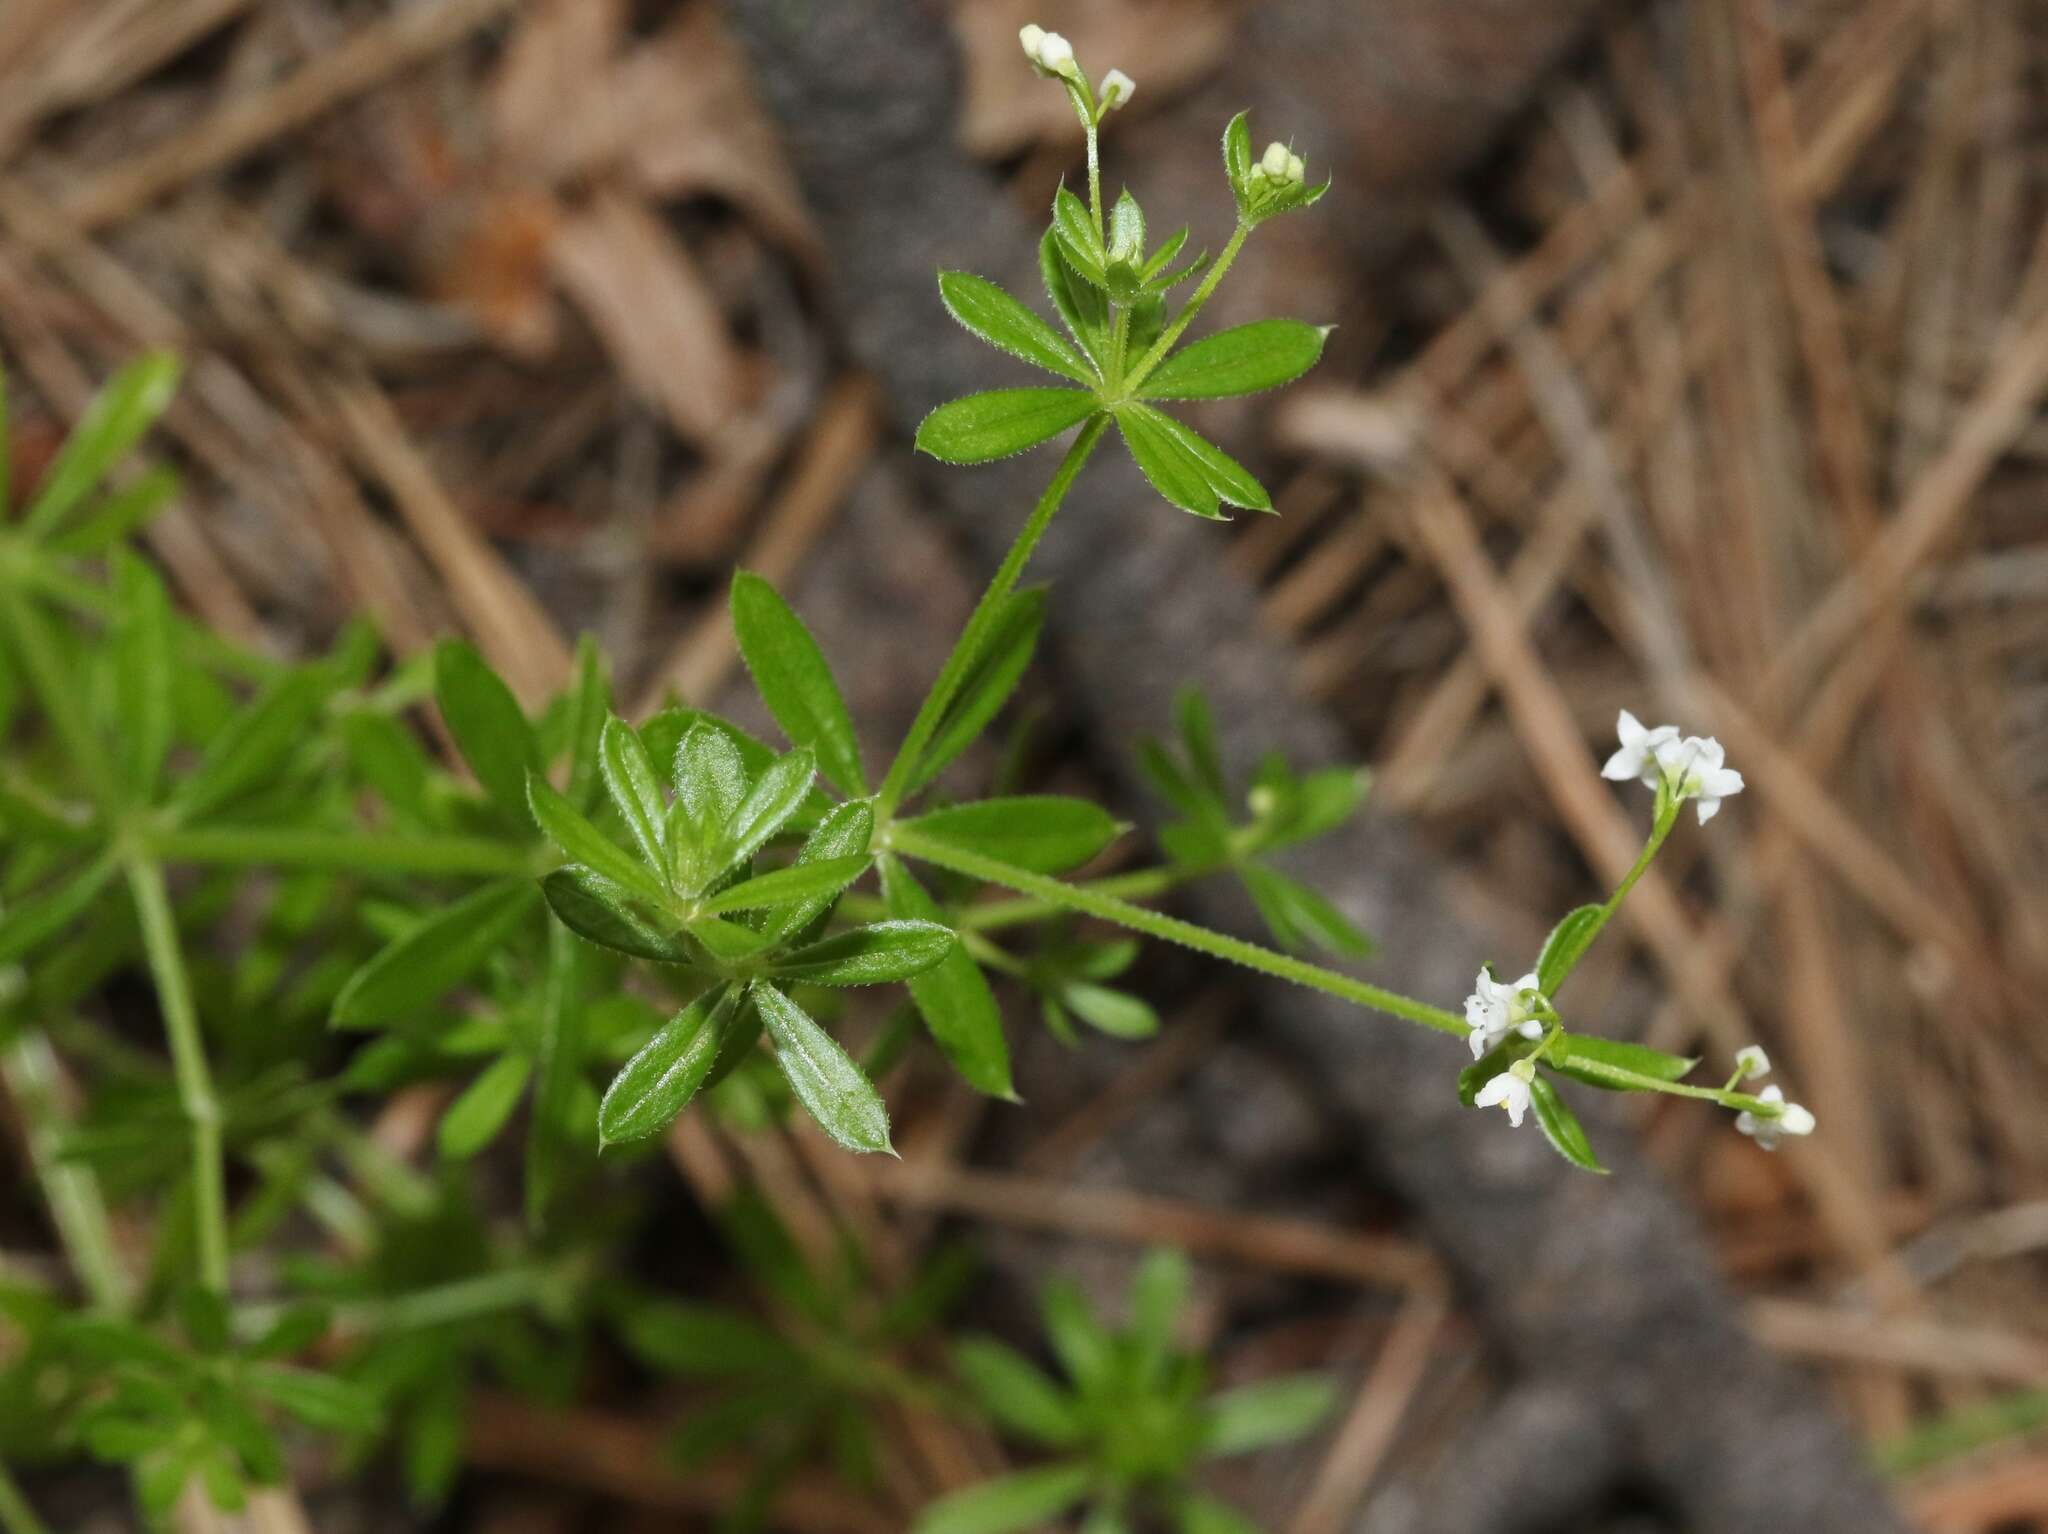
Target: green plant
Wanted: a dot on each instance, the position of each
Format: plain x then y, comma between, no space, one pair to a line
598,923
1130,1427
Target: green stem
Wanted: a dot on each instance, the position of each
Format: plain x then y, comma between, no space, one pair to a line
967,649
77,1208
16,1516
1635,1081
339,851
188,1065
1186,317
1139,884
1074,897
1660,832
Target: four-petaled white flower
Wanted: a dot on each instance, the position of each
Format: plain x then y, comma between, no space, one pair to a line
1494,1010
1698,770
1638,756
1508,1090
1117,90
1693,768
1795,1120
1752,1062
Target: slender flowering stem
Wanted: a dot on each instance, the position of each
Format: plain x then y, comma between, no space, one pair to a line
1193,307
1266,961
188,1066
967,649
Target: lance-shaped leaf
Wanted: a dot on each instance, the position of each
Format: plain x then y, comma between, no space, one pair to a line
953,996
1073,226
255,743
474,1118
112,424
142,673
635,787
1561,1126
558,1054
711,780
1017,1393
1567,944
993,677
1024,1499
794,681
117,517
1184,466
584,843
665,1072
1263,355
1001,423
845,832
1300,918
1008,326
829,1085
787,886
583,713
1237,156
1591,1060
1116,1013
597,911
433,956
1082,306
872,955
768,807
1045,833
27,924
1269,1412
489,727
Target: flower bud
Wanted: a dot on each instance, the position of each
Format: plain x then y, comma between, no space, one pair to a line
1056,55
1297,169
1117,90
1752,1061
1032,36
1274,161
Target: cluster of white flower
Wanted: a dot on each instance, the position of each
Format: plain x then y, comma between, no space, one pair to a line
1279,163
1750,1063
1692,768
1051,54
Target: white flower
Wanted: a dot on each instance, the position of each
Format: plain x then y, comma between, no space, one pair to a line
1795,1120
1117,90
1698,770
1752,1062
1638,756
1507,1090
1495,1010
1274,161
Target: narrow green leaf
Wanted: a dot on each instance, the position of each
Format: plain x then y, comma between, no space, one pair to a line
782,788
665,1073
142,673
1016,1393
1024,1499
1270,1412
1116,1013
1561,1126
118,516
1237,154
388,757
1074,227
1197,723
1007,325
1300,918
728,942
995,673
1184,466
597,911
1081,305
786,886
584,843
255,745
871,955
318,1400
1580,1056
845,832
1084,1349
711,780
473,1120
1243,360
433,956
1567,944
828,1084
1159,1292
1043,833
1001,423
795,682
488,725
589,706
703,1341
558,1056
953,996
112,424
635,787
